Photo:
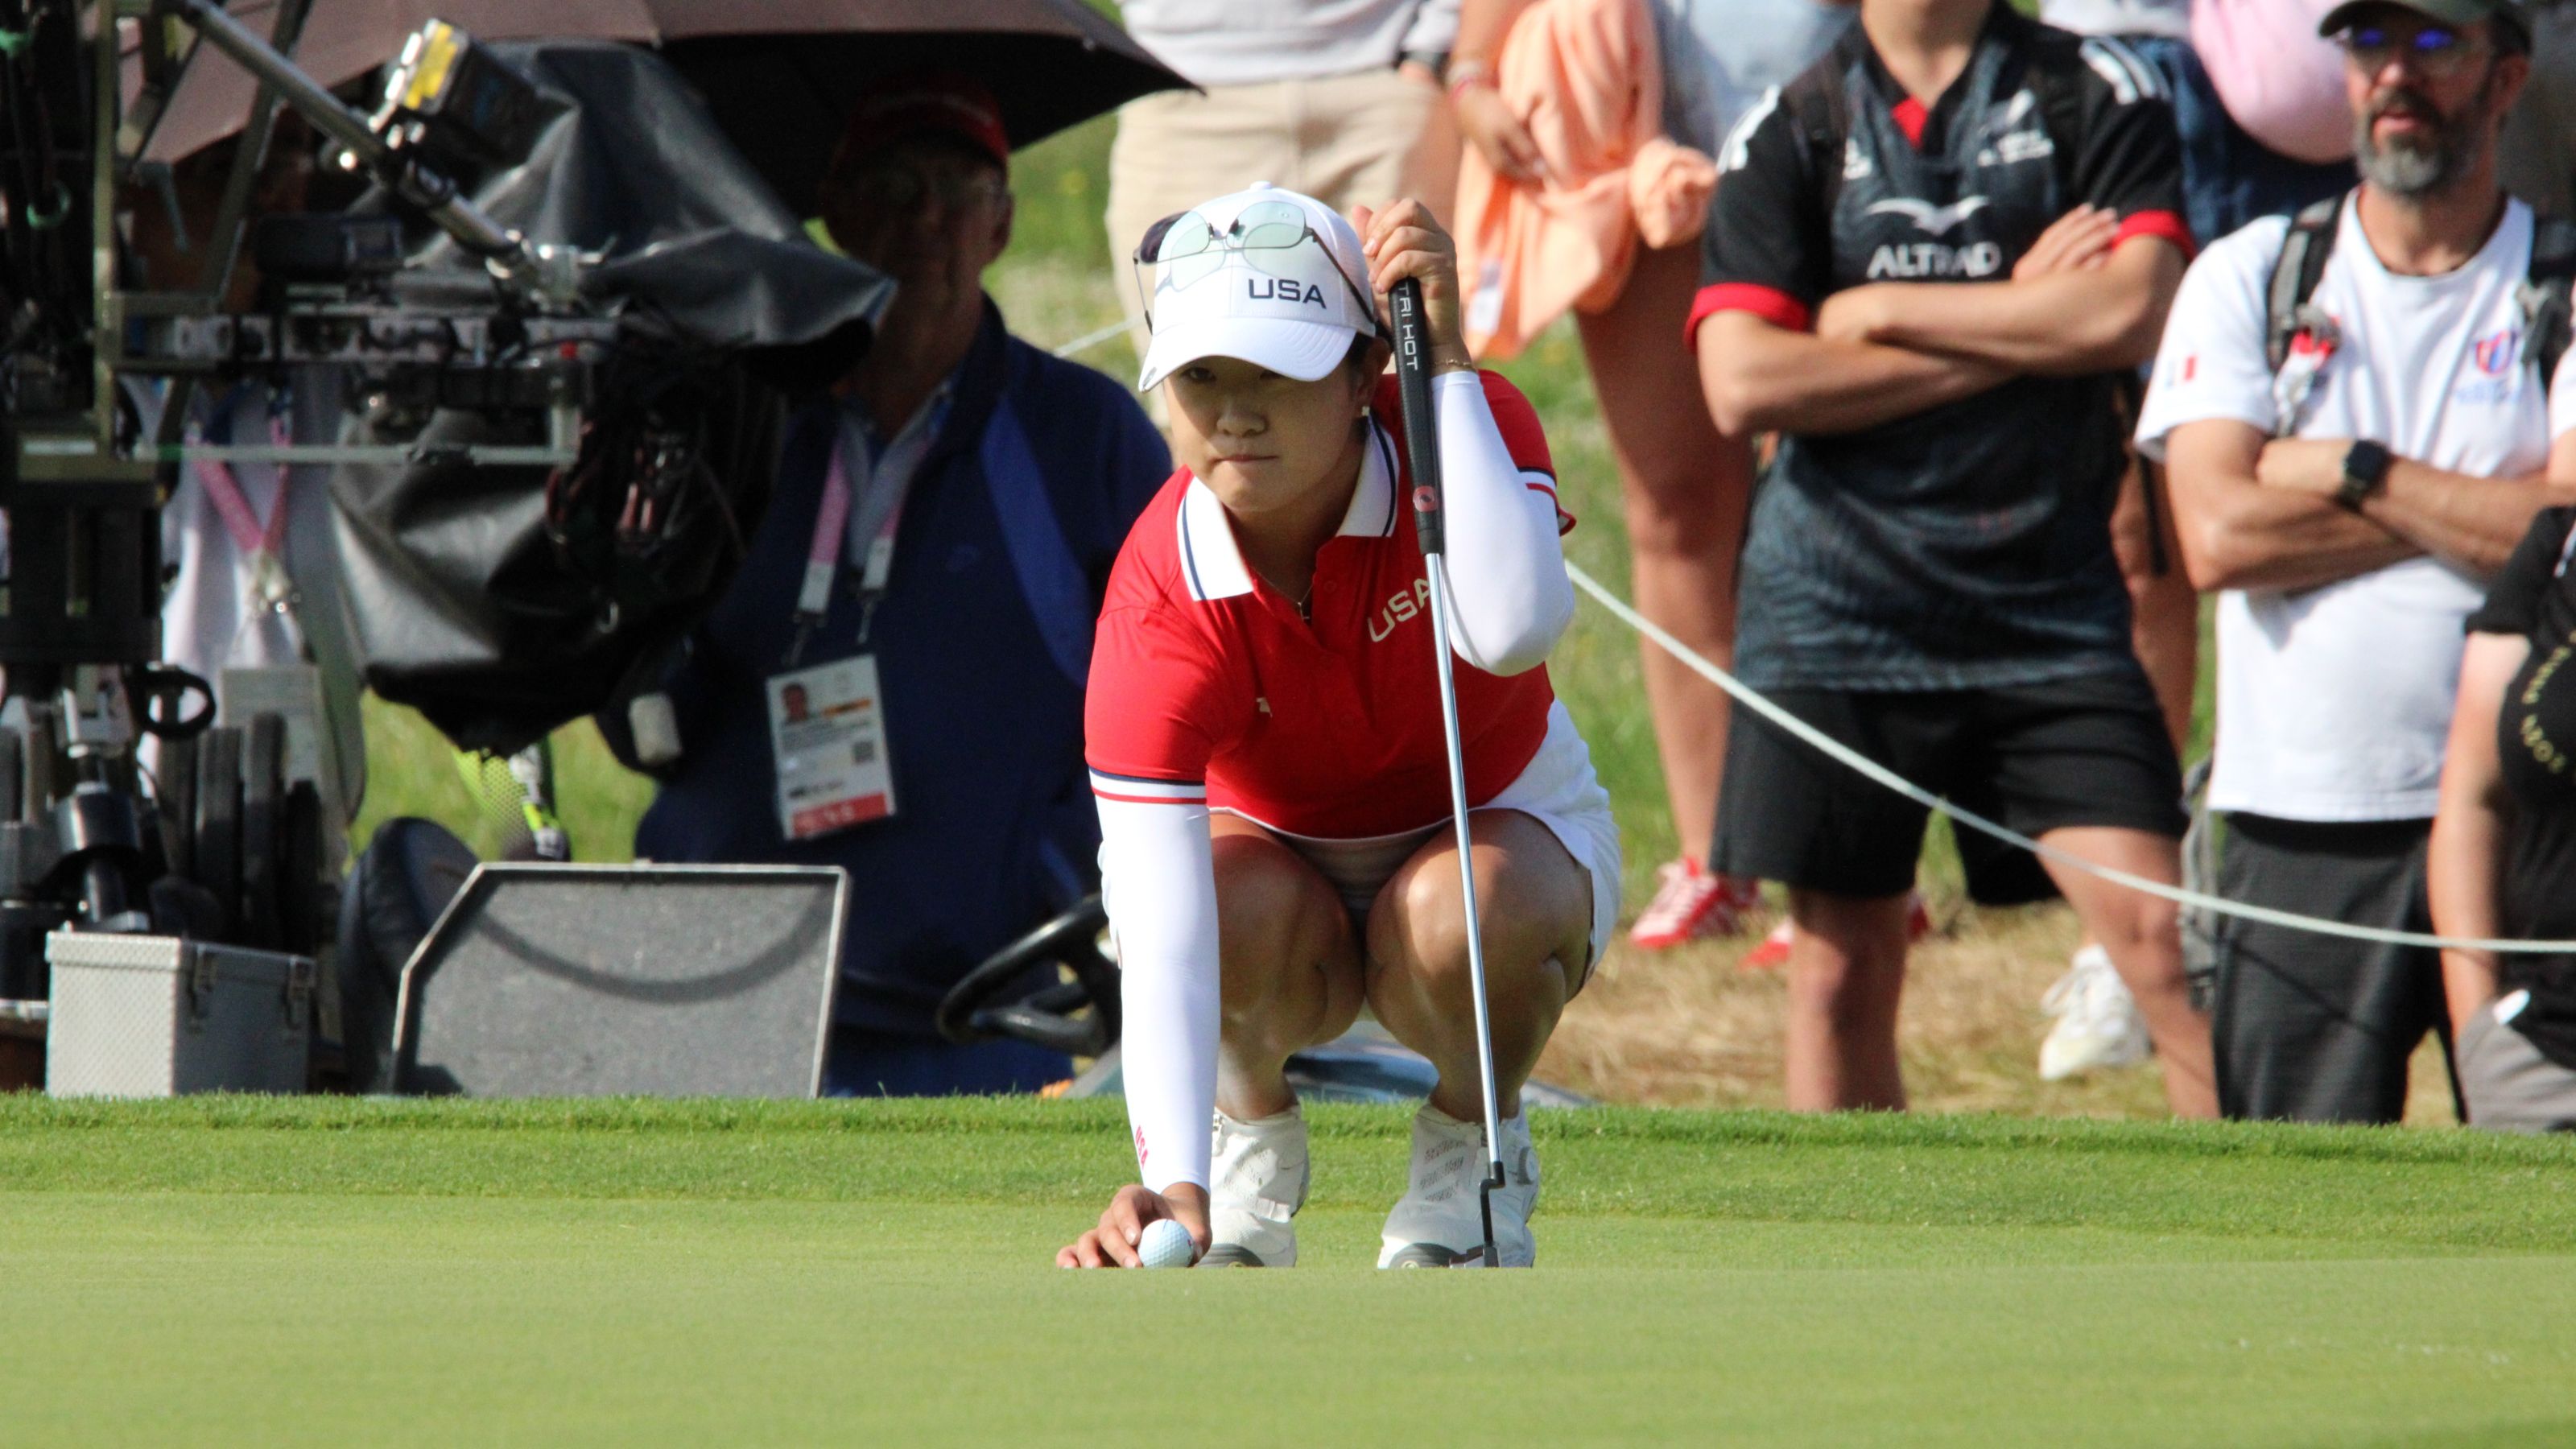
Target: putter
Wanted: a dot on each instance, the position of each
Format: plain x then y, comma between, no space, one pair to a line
1422,446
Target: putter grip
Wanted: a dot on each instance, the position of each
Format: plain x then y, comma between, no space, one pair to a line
1413,392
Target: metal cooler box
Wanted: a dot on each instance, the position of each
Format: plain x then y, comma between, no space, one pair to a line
158,1016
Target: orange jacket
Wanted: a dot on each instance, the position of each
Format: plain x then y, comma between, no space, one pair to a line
1584,77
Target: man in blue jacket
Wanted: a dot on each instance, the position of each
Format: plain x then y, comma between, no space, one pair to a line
894,682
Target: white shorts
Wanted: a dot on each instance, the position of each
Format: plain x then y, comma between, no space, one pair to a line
1557,789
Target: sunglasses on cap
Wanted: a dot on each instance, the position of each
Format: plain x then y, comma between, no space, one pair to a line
1187,249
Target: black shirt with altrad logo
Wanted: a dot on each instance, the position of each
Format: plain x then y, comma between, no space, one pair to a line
1967,546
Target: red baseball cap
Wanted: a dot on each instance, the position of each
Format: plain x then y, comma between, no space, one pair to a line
917,102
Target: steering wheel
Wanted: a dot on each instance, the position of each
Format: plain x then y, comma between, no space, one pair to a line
971,1012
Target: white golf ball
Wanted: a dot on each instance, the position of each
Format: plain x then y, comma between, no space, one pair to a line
1164,1244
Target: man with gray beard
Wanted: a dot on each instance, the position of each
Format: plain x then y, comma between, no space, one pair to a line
2348,478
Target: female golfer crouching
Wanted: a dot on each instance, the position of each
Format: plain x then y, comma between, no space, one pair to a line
1265,739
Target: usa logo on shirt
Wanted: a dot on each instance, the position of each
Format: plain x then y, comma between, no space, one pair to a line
2495,354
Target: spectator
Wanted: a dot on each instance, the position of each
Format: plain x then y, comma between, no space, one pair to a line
2504,845
2348,503
1928,262
254,581
1685,484
1338,99
2259,97
985,489
2097,1024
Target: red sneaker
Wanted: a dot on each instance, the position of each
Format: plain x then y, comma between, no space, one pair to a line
1691,902
1773,953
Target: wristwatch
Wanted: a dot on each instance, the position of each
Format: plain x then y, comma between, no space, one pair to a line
2365,472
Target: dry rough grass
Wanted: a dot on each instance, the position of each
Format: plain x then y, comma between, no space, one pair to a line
1689,1028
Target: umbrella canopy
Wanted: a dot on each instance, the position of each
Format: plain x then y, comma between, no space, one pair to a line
780,75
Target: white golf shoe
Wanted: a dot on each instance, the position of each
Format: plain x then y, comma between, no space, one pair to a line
1439,1222
1259,1168
2098,1024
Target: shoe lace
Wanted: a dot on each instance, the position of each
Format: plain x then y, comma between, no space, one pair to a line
2060,998
1445,1162
2092,997
1682,894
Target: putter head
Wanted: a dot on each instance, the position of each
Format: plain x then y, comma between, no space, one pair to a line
1485,1200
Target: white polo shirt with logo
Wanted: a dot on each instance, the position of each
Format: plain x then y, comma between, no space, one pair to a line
2334,702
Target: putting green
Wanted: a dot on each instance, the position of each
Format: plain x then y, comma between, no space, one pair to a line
215,1271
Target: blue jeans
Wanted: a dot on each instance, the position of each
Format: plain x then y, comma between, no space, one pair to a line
2229,179
865,1063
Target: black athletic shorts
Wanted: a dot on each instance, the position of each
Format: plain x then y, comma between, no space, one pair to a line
2035,758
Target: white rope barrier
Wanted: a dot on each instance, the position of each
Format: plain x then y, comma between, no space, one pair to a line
1752,699
1092,339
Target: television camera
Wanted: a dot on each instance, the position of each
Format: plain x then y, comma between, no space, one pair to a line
604,400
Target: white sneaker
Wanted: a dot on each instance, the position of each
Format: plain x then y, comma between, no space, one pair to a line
1440,1221
1259,1168
2098,1024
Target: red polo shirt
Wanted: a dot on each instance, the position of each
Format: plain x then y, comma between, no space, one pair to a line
1207,686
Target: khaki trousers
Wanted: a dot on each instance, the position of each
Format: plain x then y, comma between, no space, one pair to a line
1362,139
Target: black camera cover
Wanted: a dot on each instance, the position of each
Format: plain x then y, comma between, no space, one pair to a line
502,602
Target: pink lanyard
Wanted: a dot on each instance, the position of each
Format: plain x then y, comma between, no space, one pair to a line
823,555
239,521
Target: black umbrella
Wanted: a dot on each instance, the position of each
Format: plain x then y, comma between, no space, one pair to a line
785,104
781,75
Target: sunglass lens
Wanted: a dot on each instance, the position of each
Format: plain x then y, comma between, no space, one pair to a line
1185,249
1185,235
1267,232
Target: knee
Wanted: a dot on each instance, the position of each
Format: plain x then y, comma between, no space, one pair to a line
1848,965
1843,994
2141,921
1271,915
2144,937
1435,930
1664,521
1674,510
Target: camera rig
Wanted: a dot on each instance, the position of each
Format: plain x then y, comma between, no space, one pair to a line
224,847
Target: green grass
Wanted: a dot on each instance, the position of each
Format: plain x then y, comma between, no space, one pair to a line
317,1271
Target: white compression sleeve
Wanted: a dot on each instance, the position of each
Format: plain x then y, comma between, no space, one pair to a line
1506,568
1161,877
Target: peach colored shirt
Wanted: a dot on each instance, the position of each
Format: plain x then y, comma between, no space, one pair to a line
1584,76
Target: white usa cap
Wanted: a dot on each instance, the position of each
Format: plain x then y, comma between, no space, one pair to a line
1266,275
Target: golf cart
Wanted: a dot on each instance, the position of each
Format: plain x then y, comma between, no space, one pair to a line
1073,1008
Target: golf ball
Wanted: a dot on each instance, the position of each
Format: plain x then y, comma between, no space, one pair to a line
1164,1244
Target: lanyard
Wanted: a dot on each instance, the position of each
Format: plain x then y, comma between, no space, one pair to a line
262,548
823,555
2311,348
